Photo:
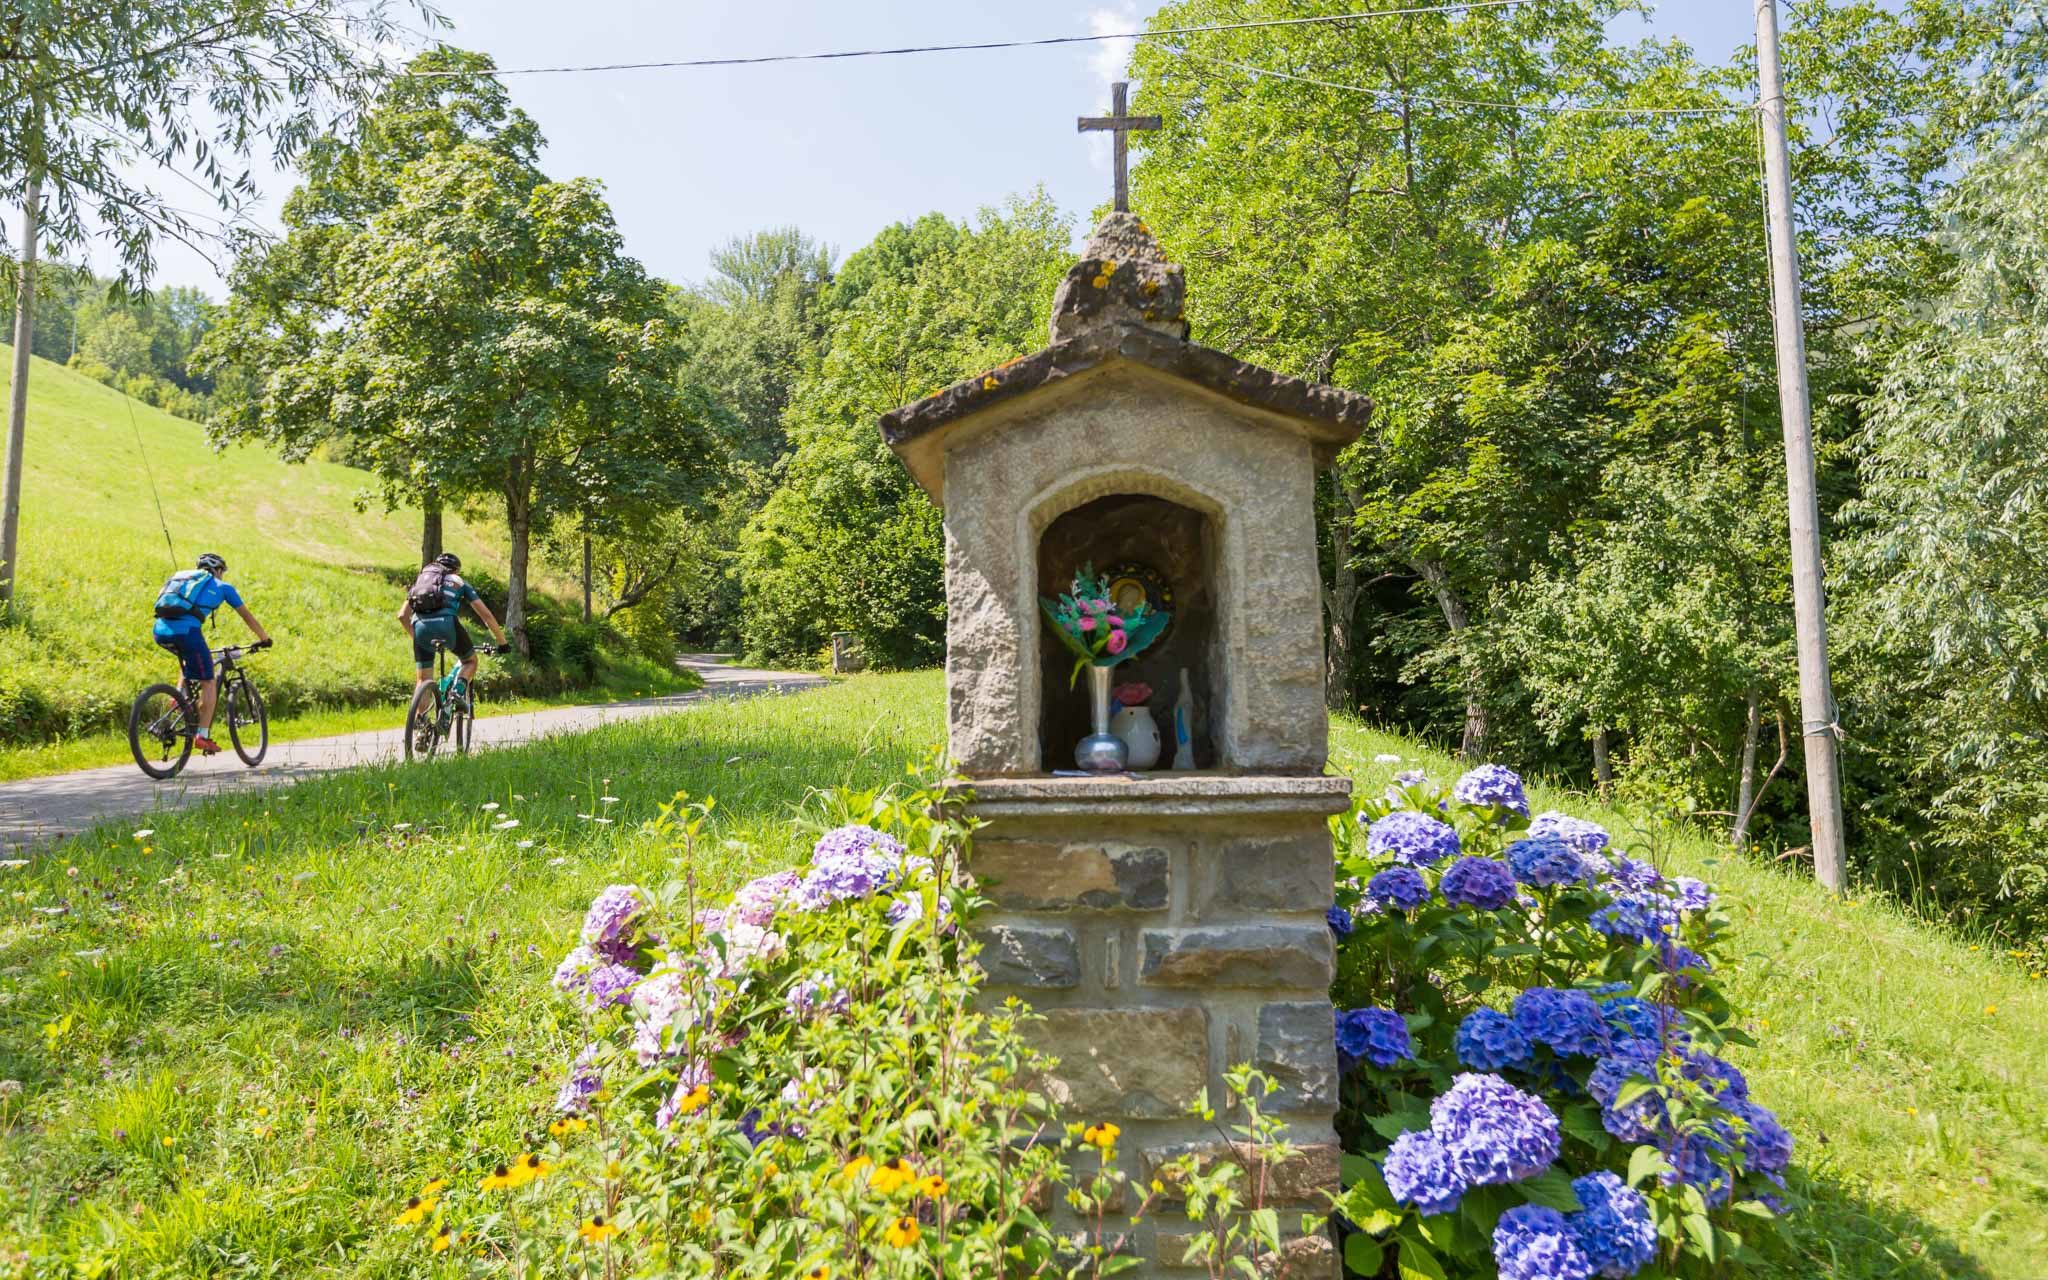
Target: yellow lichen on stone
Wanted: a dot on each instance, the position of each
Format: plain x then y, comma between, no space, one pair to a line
1100,282
1150,287
989,383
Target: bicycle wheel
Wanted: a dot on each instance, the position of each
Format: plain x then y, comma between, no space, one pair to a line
160,730
423,724
248,726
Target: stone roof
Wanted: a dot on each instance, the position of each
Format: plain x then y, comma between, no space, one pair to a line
1121,303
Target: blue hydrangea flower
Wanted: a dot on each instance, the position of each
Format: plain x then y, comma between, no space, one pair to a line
1699,1159
1613,1225
1402,888
1494,1132
1478,882
1408,836
1642,1118
1379,1036
1534,1242
1492,785
1583,836
1547,861
1635,873
1419,1172
1634,1019
1488,1041
1767,1144
1693,895
1636,916
1570,1022
1719,1077
1340,922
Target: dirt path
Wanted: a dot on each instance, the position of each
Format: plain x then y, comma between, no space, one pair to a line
39,809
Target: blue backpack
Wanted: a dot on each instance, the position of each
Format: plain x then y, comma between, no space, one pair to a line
180,595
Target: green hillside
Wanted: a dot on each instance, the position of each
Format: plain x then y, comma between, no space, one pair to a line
322,575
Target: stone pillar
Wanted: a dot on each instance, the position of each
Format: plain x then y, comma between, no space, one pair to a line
1170,927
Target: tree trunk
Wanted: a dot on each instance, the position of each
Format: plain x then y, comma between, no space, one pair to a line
17,404
430,529
586,577
1472,746
1745,788
1603,771
519,521
1340,600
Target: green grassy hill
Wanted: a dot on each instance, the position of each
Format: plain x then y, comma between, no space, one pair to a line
323,576
245,1037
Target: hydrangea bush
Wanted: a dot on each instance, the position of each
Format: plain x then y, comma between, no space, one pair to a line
1530,1040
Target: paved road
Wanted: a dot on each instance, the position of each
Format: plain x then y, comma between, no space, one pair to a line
40,809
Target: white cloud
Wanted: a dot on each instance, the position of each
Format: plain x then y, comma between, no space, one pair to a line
1109,61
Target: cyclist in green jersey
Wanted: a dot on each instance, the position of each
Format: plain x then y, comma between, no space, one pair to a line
433,611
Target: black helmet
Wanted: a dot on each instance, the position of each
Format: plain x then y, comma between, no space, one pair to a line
450,561
213,564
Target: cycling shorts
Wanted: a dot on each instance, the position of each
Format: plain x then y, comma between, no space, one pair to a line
448,631
193,655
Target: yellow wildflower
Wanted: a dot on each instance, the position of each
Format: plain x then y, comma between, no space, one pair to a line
597,1230
888,1177
437,1184
931,1186
902,1233
416,1210
568,1125
819,1272
855,1167
442,1239
1103,1136
531,1167
501,1179
693,1101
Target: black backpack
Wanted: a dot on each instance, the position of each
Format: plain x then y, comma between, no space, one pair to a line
429,592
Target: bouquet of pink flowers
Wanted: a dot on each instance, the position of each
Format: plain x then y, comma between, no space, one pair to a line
1090,626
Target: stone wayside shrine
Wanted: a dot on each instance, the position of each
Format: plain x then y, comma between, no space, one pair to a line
1168,925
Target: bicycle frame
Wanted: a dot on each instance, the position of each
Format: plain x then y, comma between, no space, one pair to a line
225,663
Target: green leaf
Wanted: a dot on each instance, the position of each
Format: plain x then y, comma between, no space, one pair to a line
1631,1090
1417,1262
1583,1123
1754,1208
1394,1125
1363,1254
1551,1188
1644,1163
1701,1229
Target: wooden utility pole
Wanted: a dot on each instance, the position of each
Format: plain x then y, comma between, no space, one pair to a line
586,577
1809,600
17,399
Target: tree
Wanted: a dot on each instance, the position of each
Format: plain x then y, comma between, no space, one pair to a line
754,327
85,86
289,294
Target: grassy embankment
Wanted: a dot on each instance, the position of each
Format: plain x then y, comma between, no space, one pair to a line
325,578
246,1036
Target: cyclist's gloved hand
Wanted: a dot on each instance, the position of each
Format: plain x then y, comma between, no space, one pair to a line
261,644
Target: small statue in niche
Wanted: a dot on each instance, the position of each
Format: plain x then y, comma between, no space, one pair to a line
1184,725
1134,726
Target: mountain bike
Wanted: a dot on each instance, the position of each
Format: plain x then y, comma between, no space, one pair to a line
165,718
438,715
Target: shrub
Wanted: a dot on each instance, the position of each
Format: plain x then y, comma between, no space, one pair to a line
1529,1033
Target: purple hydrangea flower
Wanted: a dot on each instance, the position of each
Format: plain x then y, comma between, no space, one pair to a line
1642,1118
610,986
758,900
1379,1036
910,907
1534,1242
1478,882
1636,873
583,1083
1547,861
1494,1132
857,838
814,997
1419,1172
1411,837
1402,888
1492,785
1613,1225
1719,1077
849,862
1637,916
1488,1041
1570,1022
662,1009
1766,1144
1692,894
608,925
1583,836
573,974
1340,922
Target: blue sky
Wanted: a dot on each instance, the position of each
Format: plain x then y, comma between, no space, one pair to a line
690,158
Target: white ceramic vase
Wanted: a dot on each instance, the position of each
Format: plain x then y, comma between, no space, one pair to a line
1139,733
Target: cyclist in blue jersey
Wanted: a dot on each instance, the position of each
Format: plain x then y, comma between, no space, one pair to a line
433,611
182,608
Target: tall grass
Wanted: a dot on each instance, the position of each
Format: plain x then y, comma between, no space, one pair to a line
325,995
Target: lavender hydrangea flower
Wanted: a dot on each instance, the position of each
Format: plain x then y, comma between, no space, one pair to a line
1411,837
573,974
842,877
857,838
662,1009
610,986
758,900
1402,888
582,1085
1636,873
910,907
1494,1132
817,997
1379,1036
1570,1022
1340,922
1581,835
1488,1041
1767,1144
608,925
1692,894
1419,1172
1547,861
1492,785
1534,1242
1478,882
1613,1225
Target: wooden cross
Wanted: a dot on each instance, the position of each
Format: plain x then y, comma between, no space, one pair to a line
1119,124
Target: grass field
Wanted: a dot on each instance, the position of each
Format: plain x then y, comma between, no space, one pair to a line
325,578
244,1037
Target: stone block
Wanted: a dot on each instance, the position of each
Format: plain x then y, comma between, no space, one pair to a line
1125,1063
1262,956
1302,1258
1030,875
1302,1180
1297,1049
1291,872
1025,956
